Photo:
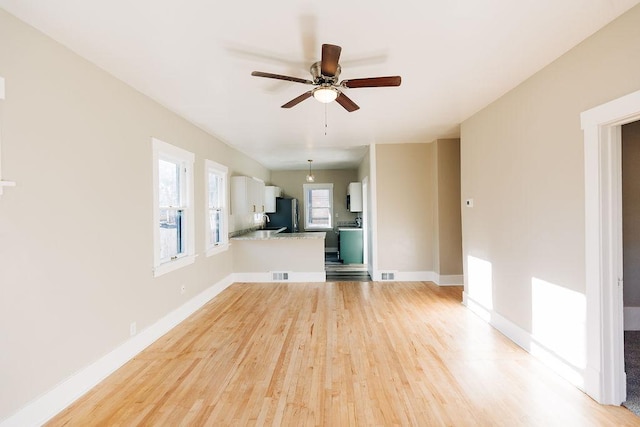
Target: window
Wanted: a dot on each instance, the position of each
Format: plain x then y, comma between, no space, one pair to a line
217,214
173,235
318,202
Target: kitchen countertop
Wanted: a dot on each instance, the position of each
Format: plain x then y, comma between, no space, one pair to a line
278,235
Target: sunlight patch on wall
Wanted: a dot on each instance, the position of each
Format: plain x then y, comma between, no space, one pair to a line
559,328
480,282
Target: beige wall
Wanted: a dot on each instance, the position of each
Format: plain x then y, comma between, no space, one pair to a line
297,255
418,207
449,217
522,162
364,168
631,212
291,183
406,207
76,249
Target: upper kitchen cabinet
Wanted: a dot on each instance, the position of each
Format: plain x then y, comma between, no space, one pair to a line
354,197
270,194
247,195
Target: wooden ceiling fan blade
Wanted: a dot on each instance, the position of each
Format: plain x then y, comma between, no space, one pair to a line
281,77
372,82
347,103
297,100
330,57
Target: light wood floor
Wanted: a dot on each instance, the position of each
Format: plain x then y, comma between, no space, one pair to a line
337,354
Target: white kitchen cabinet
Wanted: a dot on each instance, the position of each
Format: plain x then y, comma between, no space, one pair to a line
247,195
270,194
354,197
258,195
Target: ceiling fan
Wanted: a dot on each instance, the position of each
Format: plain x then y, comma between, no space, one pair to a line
325,75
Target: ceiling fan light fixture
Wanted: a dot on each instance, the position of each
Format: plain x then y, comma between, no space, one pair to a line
325,94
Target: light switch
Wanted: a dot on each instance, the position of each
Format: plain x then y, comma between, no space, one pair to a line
469,203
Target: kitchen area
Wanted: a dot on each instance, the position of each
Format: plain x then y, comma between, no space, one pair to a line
285,245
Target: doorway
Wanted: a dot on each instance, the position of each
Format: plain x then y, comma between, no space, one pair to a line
631,261
605,379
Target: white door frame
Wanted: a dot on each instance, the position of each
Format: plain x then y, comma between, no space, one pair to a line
365,220
605,379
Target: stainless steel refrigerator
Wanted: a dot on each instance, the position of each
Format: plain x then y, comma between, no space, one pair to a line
286,215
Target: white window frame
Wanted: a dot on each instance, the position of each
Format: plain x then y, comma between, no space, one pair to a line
306,189
222,171
164,151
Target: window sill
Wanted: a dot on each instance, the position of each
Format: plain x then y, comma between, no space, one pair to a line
6,184
173,265
217,249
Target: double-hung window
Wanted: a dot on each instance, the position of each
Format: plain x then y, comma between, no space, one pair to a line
217,214
318,205
173,207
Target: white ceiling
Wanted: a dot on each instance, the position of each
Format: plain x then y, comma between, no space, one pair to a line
195,57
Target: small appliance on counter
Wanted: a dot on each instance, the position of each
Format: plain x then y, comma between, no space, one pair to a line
286,215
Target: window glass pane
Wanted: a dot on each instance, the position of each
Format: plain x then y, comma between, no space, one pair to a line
215,217
319,206
320,198
320,216
215,186
171,225
169,183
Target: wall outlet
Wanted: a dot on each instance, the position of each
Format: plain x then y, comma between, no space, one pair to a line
183,289
133,328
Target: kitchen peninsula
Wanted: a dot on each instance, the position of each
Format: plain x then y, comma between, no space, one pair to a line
273,256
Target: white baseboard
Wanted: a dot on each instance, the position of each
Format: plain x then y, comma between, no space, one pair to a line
416,276
47,406
419,276
632,318
294,276
576,376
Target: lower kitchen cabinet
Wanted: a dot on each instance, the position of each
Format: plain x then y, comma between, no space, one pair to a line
351,245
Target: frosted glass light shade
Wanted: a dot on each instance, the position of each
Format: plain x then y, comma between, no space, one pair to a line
325,94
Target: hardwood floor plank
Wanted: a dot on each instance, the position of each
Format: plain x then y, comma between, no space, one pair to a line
345,353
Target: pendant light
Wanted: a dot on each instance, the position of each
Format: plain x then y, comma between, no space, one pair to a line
310,177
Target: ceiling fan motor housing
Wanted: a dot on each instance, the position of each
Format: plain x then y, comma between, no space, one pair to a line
319,78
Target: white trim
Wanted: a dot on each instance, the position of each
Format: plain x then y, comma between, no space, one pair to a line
632,318
218,249
605,377
318,186
525,340
416,276
365,220
373,214
168,267
420,276
222,171
47,406
294,276
163,150
3,183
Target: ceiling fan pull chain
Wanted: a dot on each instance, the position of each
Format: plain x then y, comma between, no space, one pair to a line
325,119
